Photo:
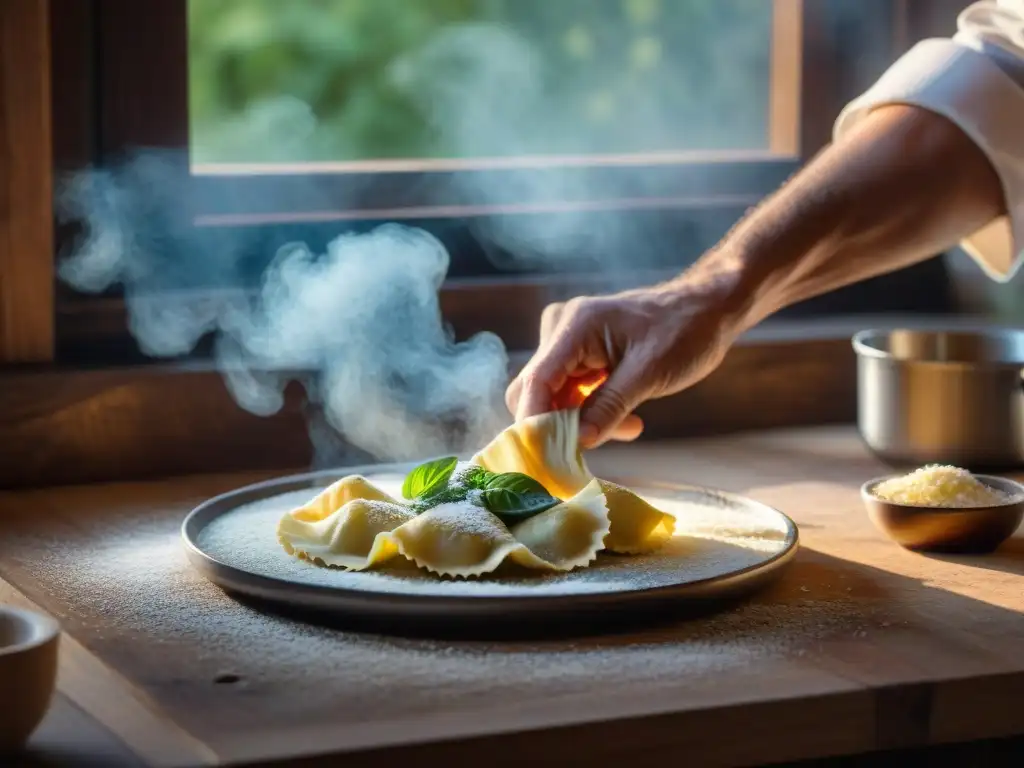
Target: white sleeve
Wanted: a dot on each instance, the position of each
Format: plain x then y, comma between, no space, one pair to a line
976,80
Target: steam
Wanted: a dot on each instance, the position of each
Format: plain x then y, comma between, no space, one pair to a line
365,316
482,87
358,325
281,128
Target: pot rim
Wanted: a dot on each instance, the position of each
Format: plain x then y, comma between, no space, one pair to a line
863,350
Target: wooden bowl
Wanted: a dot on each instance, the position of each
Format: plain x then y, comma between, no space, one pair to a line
28,673
970,530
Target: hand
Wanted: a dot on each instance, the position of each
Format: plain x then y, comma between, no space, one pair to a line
646,343
900,186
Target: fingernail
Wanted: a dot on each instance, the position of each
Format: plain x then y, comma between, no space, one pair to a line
588,434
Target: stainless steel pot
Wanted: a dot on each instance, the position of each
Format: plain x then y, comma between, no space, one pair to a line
942,397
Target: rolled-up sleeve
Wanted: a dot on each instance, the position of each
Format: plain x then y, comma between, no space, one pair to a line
976,80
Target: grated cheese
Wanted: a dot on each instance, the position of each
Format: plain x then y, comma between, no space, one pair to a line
940,486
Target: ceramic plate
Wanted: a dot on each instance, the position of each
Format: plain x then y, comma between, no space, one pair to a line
725,546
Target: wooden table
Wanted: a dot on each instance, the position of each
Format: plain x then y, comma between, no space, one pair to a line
860,646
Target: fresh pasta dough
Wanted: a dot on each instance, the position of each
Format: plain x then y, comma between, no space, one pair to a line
546,448
458,538
462,539
354,525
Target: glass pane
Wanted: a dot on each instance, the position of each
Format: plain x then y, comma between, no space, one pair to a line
371,80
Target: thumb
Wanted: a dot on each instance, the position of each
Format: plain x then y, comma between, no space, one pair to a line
546,374
613,401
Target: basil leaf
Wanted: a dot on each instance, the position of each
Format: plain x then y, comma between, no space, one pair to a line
429,478
511,506
517,482
499,500
476,477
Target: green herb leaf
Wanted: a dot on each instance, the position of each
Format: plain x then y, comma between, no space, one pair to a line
443,496
516,482
429,478
513,497
476,477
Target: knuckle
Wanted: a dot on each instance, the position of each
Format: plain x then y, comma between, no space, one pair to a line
608,408
616,402
550,320
551,311
574,305
532,379
583,309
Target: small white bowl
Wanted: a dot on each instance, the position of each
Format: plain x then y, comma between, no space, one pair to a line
28,673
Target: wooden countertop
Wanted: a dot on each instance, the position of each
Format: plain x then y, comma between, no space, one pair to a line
860,646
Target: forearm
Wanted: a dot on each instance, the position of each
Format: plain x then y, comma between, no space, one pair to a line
903,186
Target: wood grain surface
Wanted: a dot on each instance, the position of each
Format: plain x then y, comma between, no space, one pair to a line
69,737
860,646
26,170
77,426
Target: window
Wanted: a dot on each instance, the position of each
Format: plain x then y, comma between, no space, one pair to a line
100,84
360,110
554,147
366,85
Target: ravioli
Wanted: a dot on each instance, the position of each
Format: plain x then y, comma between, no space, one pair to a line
462,530
546,448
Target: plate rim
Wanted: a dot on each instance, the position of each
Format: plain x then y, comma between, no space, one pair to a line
335,599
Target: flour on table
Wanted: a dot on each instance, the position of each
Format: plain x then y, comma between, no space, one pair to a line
130,571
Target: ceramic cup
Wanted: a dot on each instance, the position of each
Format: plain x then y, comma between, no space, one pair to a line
28,673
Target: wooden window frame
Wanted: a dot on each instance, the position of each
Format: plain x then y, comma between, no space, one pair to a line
229,194
26,234
55,45
74,412
692,198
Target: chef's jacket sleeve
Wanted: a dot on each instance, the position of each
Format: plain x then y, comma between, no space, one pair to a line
976,80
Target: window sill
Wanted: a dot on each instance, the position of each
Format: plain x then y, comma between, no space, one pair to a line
67,426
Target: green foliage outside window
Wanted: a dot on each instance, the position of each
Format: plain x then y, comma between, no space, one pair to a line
321,80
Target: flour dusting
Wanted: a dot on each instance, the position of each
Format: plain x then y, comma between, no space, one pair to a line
713,538
381,513
464,519
128,568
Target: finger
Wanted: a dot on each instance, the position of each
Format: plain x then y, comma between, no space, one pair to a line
609,406
547,373
549,321
537,394
513,393
628,430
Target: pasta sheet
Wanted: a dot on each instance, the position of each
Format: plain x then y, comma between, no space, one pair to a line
353,524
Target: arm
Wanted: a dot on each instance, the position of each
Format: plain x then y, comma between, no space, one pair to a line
931,155
903,185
